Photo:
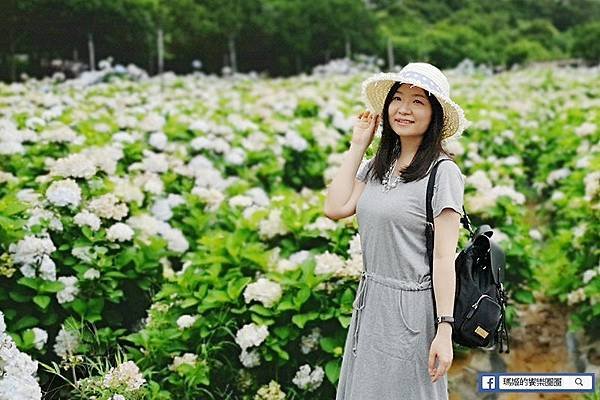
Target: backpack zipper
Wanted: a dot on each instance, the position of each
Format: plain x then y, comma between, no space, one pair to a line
476,305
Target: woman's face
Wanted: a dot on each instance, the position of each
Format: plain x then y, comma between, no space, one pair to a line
409,111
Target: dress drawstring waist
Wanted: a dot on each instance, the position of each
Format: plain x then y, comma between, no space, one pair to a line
397,284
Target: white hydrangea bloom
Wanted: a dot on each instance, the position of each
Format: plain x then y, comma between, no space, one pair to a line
91,274
272,225
108,206
74,165
585,129
83,253
272,391
59,134
295,141
213,197
479,180
28,196
328,263
310,342
307,380
186,321
576,296
557,175
323,225
240,201
263,290
186,359
152,123
40,338
127,191
119,232
66,342
152,162
590,274
32,251
86,218
70,290
259,196
63,193
250,359
535,234
235,156
161,209
150,226
158,140
352,267
17,370
592,185
251,335
127,374
47,268
355,247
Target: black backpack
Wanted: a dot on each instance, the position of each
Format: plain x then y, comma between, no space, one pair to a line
480,300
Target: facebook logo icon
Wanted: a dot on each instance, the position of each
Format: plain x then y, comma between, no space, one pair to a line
487,383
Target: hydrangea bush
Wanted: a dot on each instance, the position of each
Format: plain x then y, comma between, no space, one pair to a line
181,217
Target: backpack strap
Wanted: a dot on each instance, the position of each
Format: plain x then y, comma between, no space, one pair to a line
497,257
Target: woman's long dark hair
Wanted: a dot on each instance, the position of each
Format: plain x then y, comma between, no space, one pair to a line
390,146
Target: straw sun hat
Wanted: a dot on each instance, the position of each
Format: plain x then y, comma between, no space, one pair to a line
429,78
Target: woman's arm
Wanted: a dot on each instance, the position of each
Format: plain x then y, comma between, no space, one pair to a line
446,228
345,189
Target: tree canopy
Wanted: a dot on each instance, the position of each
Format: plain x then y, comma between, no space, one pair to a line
283,37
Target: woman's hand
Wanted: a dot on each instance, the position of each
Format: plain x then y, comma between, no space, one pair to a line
441,347
364,129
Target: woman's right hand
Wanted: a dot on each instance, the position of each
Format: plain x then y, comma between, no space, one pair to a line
365,127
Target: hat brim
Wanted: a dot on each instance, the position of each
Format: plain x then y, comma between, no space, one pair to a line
376,88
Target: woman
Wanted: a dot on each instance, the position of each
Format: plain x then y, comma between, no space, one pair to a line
395,348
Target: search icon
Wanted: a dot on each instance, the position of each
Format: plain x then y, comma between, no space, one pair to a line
578,381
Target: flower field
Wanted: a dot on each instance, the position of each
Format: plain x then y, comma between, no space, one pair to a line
164,238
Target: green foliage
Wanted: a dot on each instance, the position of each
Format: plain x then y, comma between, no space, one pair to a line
586,43
286,37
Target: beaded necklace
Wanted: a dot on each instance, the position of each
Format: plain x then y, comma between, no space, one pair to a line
387,186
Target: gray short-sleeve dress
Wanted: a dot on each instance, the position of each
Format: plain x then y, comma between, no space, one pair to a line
387,348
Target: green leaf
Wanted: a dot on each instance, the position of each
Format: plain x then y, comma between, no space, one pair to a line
189,302
285,305
216,296
332,370
26,322
28,339
280,352
235,287
51,287
261,310
302,296
79,306
96,305
523,296
19,297
301,319
346,301
282,332
29,282
42,301
344,321
328,344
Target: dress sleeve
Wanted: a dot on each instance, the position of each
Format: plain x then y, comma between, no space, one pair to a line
448,191
361,175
